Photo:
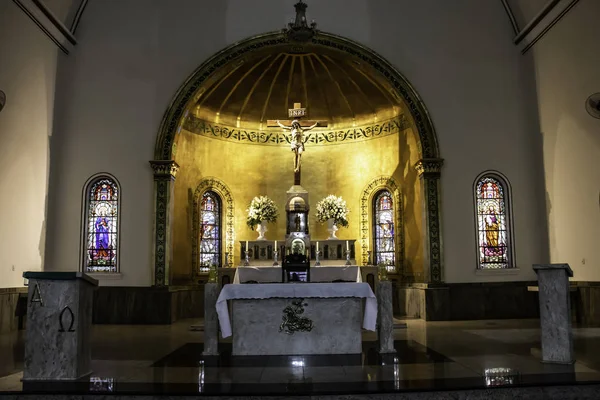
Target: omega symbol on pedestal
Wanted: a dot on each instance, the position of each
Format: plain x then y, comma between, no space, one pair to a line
70,317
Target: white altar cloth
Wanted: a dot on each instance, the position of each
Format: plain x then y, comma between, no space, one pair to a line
269,274
295,291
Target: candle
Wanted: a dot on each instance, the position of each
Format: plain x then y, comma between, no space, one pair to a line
317,246
347,245
246,245
276,245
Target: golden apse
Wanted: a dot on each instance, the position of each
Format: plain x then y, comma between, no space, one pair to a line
365,141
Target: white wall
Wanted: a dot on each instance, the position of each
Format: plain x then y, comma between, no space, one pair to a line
27,76
133,55
567,63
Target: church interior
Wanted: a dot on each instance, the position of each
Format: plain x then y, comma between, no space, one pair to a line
223,198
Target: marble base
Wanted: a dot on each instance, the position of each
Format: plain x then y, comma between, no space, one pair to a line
59,322
337,324
211,320
385,317
555,313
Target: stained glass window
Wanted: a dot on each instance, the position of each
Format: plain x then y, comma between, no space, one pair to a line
102,228
384,238
210,231
492,224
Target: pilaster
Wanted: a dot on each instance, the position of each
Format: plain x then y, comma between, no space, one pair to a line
429,175
164,180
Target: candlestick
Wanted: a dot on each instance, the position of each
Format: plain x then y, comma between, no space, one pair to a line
275,258
318,258
247,259
348,257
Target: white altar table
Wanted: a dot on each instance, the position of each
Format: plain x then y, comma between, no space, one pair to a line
335,309
270,274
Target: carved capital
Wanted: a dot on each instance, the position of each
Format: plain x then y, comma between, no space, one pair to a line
164,168
429,166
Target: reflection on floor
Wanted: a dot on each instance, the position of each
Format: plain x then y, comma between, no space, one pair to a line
429,356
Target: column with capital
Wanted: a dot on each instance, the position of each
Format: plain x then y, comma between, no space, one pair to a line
429,176
164,181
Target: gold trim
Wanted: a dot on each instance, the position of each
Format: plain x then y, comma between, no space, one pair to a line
366,218
247,99
238,83
264,110
274,137
337,84
358,88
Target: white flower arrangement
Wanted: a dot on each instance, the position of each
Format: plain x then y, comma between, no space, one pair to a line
333,207
261,208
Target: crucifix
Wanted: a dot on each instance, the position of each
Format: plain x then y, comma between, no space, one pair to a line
297,128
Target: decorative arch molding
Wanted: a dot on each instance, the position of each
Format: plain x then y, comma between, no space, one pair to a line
220,188
174,117
84,231
508,213
366,215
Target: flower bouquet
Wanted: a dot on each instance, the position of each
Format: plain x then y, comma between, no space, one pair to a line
333,208
261,210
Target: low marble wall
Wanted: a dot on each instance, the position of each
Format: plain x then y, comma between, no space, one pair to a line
147,305
9,298
467,301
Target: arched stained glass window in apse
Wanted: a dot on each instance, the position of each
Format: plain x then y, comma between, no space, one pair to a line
102,235
492,224
384,238
210,231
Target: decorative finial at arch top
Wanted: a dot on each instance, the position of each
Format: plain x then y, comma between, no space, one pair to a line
299,30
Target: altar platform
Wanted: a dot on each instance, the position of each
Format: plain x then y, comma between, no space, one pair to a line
433,360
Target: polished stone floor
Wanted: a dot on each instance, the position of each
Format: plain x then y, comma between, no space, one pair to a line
429,356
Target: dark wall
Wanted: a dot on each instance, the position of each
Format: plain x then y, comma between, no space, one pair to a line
147,305
466,301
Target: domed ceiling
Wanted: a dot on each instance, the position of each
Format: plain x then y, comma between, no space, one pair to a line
336,90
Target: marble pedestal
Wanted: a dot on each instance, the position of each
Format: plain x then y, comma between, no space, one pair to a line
337,324
59,321
385,317
555,312
211,320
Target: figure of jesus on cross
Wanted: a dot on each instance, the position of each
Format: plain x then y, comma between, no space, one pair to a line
297,129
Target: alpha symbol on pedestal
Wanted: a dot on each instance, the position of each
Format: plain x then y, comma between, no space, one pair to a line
36,297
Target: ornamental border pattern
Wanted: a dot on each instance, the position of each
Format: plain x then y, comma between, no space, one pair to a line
170,125
433,223
379,183
162,201
223,191
237,135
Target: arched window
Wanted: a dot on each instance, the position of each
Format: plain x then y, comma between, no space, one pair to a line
210,231
102,225
493,225
384,230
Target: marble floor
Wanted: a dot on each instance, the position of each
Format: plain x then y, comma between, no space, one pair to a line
429,356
